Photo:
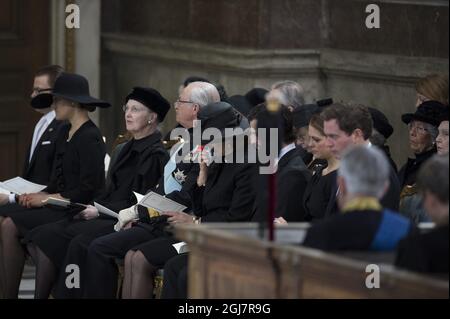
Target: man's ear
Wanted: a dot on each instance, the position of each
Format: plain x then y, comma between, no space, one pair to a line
430,201
357,135
196,108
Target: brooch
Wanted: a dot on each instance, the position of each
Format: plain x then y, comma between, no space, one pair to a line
179,176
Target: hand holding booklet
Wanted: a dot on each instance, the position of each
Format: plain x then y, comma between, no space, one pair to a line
160,203
151,200
106,211
20,186
62,203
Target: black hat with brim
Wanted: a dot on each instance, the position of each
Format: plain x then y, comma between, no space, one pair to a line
72,87
152,99
428,112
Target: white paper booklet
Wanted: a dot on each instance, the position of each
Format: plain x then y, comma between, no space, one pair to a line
160,203
181,247
103,210
19,186
138,196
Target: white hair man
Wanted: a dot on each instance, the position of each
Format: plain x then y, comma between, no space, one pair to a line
363,223
288,93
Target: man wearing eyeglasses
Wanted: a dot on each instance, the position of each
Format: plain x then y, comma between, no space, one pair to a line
39,159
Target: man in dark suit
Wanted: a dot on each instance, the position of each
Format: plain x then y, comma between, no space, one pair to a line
39,159
292,174
346,126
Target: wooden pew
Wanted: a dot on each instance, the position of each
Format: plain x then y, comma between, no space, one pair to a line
230,261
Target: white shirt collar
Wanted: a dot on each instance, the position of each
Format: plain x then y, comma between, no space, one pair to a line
49,117
285,150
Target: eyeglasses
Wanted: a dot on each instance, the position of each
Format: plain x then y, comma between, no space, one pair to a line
133,109
39,91
418,129
181,101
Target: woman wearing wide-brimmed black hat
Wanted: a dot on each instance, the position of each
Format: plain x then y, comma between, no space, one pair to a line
78,173
137,168
422,125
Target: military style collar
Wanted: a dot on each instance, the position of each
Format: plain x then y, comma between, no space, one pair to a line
363,203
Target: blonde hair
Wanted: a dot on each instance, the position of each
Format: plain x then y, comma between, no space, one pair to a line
434,87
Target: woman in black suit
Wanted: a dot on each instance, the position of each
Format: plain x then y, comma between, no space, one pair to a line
138,167
78,174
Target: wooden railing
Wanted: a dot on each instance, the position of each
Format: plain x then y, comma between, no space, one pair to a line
229,261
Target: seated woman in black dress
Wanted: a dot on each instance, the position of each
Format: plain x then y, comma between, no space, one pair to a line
318,189
137,167
78,174
225,193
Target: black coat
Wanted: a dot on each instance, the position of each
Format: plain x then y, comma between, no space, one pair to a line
228,195
39,169
138,167
317,194
292,177
79,166
408,172
425,252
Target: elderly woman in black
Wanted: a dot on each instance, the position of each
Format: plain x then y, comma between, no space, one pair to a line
422,125
137,167
78,174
